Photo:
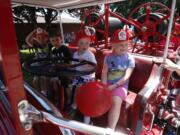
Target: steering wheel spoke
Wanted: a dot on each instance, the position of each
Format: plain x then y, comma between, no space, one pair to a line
147,7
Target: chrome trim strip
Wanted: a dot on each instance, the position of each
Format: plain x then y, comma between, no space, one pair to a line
78,126
42,100
149,87
169,30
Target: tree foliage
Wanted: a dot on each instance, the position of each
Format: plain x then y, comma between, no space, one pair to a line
82,12
28,14
49,15
23,14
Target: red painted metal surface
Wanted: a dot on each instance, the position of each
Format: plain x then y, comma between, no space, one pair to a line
106,24
146,31
10,63
6,125
155,131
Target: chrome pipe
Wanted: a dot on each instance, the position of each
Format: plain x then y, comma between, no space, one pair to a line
16,5
78,126
48,106
56,118
61,26
169,30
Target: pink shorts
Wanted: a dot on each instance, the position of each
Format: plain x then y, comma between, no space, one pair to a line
120,92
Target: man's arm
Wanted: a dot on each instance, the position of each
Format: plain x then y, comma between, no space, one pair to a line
172,66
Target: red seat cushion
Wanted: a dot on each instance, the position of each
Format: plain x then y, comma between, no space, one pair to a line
140,74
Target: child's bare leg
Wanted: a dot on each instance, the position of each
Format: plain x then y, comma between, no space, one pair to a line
69,94
74,105
114,113
54,82
44,84
36,84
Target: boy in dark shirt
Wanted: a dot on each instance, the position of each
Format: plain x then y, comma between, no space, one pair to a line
60,51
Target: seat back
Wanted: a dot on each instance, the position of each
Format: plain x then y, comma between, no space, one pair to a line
141,73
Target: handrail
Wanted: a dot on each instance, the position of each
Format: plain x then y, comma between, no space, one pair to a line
53,116
78,126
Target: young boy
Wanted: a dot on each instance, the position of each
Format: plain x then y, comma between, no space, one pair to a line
59,51
38,39
83,53
117,69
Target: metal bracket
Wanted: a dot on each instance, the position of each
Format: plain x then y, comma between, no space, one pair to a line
28,114
152,119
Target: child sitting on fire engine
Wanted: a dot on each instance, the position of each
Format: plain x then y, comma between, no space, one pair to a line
38,39
117,69
83,53
59,51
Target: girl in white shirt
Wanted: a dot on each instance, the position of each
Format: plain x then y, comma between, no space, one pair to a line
83,53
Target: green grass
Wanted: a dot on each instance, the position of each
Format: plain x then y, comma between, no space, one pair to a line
25,55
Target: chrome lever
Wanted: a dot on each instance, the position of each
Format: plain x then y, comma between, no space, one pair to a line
152,119
28,114
23,115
